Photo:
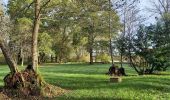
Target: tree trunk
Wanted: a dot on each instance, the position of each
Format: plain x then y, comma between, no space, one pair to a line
19,58
13,79
111,51
41,58
22,62
22,57
91,55
8,57
152,69
29,59
26,82
121,59
35,35
56,59
110,33
133,65
51,58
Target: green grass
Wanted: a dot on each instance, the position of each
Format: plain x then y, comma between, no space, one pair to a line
88,82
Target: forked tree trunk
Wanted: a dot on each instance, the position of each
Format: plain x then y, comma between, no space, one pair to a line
35,35
26,82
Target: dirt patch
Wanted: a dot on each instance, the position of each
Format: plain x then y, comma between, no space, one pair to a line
4,97
50,92
28,84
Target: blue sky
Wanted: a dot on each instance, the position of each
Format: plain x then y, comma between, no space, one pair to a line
144,4
5,1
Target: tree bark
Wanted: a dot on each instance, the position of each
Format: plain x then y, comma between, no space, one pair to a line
91,41
8,57
111,51
91,55
35,35
22,57
110,33
51,58
56,59
121,59
22,62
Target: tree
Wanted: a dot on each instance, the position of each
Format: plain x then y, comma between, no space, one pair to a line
35,35
4,21
20,39
60,25
96,24
28,81
131,20
72,20
110,35
45,46
143,57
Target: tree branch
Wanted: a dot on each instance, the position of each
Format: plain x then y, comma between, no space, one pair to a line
26,7
163,6
46,3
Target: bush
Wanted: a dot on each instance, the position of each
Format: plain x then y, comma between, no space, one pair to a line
84,58
105,58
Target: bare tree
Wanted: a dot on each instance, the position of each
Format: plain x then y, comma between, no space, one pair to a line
131,20
160,7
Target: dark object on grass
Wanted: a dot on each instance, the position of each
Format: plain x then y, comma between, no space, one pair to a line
121,72
112,70
115,70
29,67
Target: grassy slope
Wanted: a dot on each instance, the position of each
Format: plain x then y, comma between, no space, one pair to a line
88,82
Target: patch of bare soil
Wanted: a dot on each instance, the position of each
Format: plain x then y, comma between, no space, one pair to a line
28,85
49,92
4,97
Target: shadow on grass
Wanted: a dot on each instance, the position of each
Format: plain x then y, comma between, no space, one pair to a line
89,98
91,78
81,69
139,84
144,83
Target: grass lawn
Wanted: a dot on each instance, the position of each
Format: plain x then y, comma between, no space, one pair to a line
88,82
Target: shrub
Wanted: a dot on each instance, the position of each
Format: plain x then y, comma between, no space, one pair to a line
105,58
84,58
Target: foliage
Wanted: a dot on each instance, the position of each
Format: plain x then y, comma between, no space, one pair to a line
20,38
77,28
104,58
18,9
150,49
45,43
44,47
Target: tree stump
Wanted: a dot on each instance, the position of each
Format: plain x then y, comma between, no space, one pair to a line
28,84
116,79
